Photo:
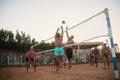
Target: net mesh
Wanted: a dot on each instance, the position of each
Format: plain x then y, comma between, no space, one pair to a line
92,29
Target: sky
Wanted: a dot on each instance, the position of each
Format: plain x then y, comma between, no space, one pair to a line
41,18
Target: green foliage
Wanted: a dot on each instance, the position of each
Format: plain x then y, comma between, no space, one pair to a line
20,41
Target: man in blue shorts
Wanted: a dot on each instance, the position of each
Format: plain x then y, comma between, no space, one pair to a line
59,51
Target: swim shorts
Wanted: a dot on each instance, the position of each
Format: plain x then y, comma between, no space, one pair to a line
59,51
69,53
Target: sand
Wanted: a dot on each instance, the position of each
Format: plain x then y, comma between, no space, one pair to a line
77,72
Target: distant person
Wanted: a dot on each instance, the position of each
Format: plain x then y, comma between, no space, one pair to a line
69,49
76,56
32,58
43,58
105,53
59,51
91,58
53,59
27,61
96,55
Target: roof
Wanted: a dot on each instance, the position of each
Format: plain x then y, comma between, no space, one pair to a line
87,45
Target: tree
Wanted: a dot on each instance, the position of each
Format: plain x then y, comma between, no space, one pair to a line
10,36
18,37
21,42
3,35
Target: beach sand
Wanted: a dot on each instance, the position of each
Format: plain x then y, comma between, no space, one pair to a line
77,72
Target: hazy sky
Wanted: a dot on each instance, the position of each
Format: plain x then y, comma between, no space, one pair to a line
40,18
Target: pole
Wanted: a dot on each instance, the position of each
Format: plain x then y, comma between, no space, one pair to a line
112,44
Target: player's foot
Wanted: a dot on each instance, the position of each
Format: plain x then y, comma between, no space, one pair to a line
69,67
57,69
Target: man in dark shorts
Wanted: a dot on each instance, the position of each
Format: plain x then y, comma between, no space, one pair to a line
91,58
31,58
96,55
69,50
27,59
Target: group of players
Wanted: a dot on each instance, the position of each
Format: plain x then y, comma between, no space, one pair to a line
94,55
60,53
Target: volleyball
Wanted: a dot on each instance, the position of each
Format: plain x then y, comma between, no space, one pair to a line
63,21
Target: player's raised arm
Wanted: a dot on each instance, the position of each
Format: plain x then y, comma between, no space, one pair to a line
62,31
67,33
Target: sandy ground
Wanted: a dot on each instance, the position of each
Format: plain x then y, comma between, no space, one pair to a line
77,72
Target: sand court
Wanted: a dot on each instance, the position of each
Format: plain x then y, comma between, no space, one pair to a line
77,72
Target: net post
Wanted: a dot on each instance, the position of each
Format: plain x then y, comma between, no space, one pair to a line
112,44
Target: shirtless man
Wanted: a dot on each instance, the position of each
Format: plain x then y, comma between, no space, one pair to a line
69,50
96,55
32,58
91,58
105,53
27,61
59,51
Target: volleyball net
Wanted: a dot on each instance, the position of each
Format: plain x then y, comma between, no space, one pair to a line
92,29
